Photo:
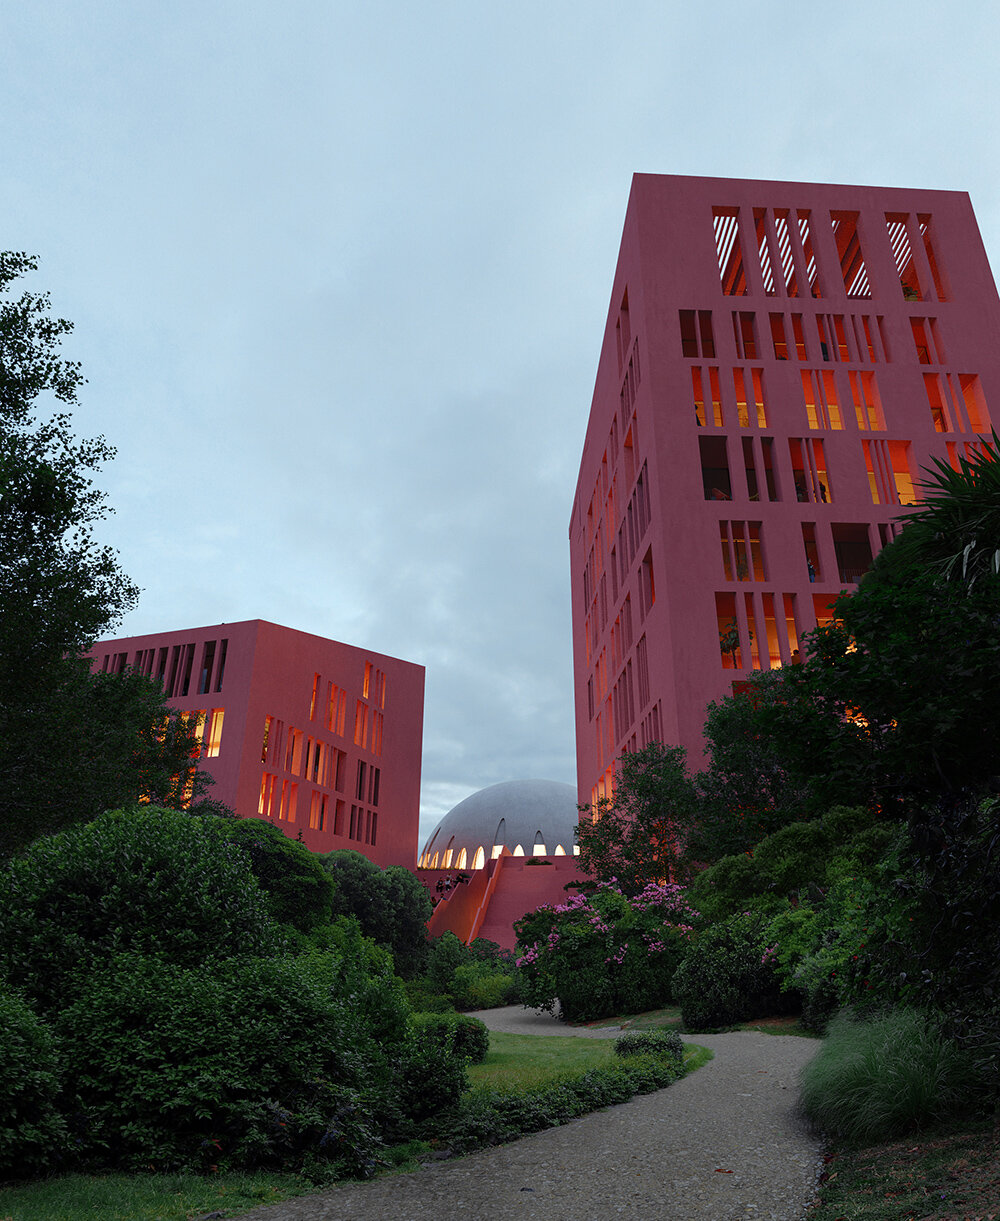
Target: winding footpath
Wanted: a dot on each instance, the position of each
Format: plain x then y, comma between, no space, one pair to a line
725,1144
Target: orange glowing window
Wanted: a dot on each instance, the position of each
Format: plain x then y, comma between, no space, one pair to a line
213,738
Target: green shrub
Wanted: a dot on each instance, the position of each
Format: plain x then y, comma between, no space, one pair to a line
32,1131
424,999
878,1079
148,882
299,891
490,1117
728,976
464,1036
391,905
480,986
667,1043
431,1079
238,1064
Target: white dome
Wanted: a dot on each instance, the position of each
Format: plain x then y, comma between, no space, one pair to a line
527,817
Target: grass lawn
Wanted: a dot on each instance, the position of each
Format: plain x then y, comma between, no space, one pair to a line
144,1197
526,1061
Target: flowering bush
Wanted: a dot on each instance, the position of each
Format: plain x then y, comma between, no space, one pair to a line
603,953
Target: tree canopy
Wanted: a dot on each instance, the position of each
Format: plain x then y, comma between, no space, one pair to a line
641,834
72,743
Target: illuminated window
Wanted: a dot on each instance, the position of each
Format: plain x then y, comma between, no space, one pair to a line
538,848
812,482
213,738
867,404
463,859
479,860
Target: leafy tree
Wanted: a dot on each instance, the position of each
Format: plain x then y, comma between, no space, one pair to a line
641,834
72,744
391,905
955,532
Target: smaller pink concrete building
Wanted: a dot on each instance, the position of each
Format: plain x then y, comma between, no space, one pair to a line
322,738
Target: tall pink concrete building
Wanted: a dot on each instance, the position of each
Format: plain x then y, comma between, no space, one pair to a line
780,362
321,738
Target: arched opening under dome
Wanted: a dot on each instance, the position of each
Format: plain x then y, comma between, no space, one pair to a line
538,848
479,860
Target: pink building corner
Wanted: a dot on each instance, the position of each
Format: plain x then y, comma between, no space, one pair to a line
321,738
779,364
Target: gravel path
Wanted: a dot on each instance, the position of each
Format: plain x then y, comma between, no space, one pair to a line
724,1144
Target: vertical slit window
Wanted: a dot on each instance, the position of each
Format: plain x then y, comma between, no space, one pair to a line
763,251
902,254
207,662
975,402
767,452
805,237
213,738
771,632
785,253
753,631
729,251
729,632
811,551
936,402
867,404
791,625
852,262
930,250
222,665
778,341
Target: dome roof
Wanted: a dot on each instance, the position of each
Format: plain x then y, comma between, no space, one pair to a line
527,817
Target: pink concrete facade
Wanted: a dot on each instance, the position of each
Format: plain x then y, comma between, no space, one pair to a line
321,738
780,362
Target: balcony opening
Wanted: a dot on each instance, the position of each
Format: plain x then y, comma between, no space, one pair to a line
902,253
715,468
852,263
811,551
729,250
853,550
812,269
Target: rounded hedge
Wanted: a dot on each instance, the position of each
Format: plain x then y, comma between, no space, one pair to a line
145,881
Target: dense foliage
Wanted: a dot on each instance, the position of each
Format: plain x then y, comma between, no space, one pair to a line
174,1013
391,905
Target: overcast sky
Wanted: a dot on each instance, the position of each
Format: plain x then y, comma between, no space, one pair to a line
339,274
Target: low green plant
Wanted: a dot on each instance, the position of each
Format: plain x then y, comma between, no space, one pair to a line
479,986
464,1036
879,1078
650,1043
